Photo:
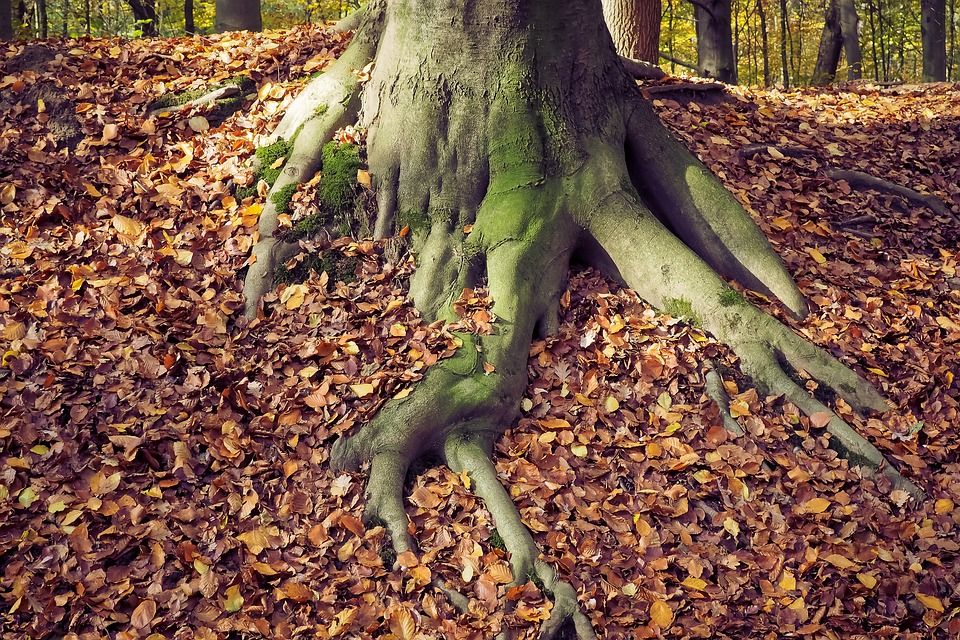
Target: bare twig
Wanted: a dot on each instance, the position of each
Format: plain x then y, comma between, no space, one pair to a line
751,150
213,96
696,87
859,179
641,70
677,61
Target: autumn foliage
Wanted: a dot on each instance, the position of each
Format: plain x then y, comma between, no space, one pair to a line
163,462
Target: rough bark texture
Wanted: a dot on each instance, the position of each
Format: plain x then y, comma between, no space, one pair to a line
715,56
188,26
841,28
635,27
516,119
145,14
238,15
933,18
6,20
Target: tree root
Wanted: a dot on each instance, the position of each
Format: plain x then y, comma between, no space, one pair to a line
677,87
641,70
466,453
861,180
209,98
717,393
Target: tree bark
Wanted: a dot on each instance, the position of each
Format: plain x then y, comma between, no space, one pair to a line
831,45
933,17
784,34
238,15
765,44
6,20
145,15
64,25
715,56
635,27
188,26
850,31
41,9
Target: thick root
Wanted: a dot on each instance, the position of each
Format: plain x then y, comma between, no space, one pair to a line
669,275
466,453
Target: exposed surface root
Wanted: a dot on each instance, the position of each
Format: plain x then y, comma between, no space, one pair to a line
861,180
717,393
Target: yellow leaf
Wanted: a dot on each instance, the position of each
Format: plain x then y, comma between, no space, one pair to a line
579,450
127,226
611,404
867,580
816,255
255,540
694,583
40,449
839,561
629,589
775,153
362,390
732,527
816,505
402,623
943,506
930,602
232,600
879,372
27,497
7,193
200,566
363,177
661,614
199,124
110,132
788,582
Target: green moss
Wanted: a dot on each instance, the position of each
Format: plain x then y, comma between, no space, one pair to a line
680,308
535,579
730,297
270,153
310,225
180,98
337,187
321,110
339,268
496,541
281,197
266,157
418,221
388,555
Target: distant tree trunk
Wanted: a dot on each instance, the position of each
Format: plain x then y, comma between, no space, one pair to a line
86,17
765,44
635,27
873,41
41,9
715,57
933,17
64,26
850,30
831,44
6,20
952,65
188,26
784,33
145,14
238,15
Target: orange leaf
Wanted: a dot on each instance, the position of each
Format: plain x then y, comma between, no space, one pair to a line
143,614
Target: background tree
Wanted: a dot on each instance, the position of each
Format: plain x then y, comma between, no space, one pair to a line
635,27
546,152
933,17
6,20
715,55
145,16
238,15
840,32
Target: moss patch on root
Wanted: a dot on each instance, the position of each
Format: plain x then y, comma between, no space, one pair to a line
339,268
222,108
281,197
731,297
496,541
680,308
267,156
338,183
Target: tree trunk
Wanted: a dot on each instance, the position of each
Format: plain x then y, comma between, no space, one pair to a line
238,15
765,44
64,25
635,27
6,20
715,58
784,34
831,45
500,162
145,16
188,26
41,9
850,31
933,17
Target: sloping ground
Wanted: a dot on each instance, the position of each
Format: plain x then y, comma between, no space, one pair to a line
163,464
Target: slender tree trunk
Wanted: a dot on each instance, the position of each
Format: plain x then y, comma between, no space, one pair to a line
715,58
635,27
952,64
873,40
64,25
42,31
765,44
145,15
188,26
238,15
6,20
784,34
933,17
86,17
850,30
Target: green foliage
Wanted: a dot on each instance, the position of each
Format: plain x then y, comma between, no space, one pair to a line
339,180
266,157
339,268
269,154
731,297
496,541
281,197
680,308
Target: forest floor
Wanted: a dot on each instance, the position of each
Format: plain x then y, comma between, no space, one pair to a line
163,463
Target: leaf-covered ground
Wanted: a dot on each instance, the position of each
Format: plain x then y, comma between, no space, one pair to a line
163,464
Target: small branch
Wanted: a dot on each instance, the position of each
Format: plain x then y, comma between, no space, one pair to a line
704,6
717,393
677,61
859,179
641,70
864,219
213,96
696,87
349,22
